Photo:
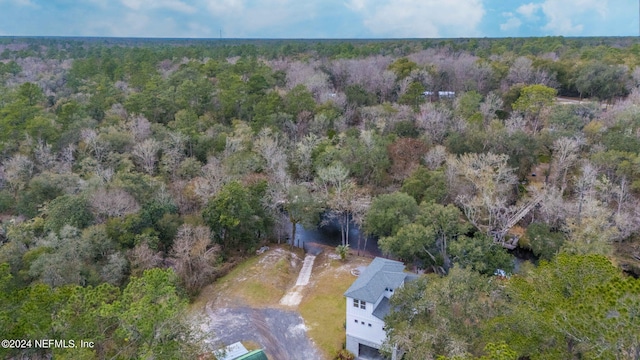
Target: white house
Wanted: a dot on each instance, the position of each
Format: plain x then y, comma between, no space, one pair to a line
368,303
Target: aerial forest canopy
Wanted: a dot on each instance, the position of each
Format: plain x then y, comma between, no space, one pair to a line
133,172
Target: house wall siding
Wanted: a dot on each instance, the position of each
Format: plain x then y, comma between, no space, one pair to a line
357,311
374,334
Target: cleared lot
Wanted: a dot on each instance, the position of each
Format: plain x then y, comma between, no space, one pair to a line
246,305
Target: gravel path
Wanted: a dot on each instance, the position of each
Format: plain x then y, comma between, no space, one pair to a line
282,333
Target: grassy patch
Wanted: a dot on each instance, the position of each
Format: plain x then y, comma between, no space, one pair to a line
213,291
259,281
323,304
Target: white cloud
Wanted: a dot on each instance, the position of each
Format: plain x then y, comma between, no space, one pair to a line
420,18
356,5
222,7
197,30
247,18
529,10
27,3
101,3
564,16
175,5
512,23
135,24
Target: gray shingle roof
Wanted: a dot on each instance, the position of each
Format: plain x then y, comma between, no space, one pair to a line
382,309
378,276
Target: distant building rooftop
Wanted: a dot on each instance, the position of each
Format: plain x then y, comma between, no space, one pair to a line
444,94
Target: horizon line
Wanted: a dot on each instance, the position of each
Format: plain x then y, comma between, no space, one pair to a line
305,39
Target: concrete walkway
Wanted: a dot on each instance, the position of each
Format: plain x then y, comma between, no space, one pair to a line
294,295
305,272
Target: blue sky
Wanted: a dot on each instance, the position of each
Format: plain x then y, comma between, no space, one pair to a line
319,18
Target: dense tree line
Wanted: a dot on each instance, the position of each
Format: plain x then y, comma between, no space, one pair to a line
119,158
573,307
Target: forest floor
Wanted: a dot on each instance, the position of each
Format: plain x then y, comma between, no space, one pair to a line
252,304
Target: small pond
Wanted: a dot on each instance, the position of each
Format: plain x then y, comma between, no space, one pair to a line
329,235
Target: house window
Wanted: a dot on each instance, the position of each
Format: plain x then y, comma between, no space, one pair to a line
369,325
362,322
359,303
355,320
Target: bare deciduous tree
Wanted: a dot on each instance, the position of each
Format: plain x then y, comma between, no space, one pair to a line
359,209
307,74
370,73
146,153
104,174
492,103
515,123
618,196
335,176
195,256
435,157
213,177
553,209
139,127
66,159
303,152
467,73
94,144
565,155
17,172
523,72
107,203
584,188
269,146
483,185
173,152
45,160
342,195
436,122
142,258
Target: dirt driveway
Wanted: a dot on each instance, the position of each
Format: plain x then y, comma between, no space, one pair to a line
244,306
281,333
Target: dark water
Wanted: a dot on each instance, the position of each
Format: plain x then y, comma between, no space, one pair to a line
330,235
